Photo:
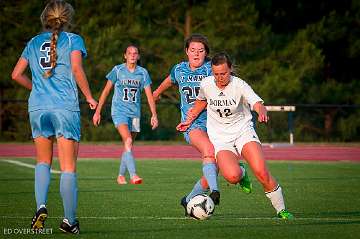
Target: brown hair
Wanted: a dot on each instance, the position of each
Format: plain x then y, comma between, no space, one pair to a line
198,38
55,17
221,58
127,47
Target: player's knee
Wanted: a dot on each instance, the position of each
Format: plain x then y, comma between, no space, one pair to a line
204,183
233,178
128,143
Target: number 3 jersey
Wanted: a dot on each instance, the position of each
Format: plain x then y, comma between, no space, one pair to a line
59,91
228,109
189,85
127,89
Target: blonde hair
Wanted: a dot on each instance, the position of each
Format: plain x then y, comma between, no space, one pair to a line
55,17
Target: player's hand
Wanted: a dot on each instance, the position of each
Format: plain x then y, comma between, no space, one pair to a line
92,103
183,126
262,116
154,122
96,119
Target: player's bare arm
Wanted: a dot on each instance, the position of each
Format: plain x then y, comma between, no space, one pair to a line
154,120
78,71
192,114
162,87
18,73
102,100
262,112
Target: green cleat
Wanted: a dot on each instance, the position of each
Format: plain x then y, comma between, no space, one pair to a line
245,183
284,214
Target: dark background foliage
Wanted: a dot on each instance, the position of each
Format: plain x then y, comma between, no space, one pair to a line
300,52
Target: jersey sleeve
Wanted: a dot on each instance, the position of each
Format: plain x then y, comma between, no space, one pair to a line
201,95
77,43
147,79
250,95
26,52
173,75
112,75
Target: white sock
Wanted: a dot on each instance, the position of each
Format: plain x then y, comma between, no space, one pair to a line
276,198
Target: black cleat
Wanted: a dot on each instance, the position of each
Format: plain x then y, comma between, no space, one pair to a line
184,204
66,227
215,196
39,219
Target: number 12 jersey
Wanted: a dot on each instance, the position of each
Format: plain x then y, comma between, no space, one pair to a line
228,109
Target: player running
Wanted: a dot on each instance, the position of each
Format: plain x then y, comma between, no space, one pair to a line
228,100
128,80
188,76
55,58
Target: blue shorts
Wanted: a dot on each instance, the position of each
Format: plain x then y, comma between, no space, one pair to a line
197,124
55,122
132,122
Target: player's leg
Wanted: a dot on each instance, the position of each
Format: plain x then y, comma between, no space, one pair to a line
127,156
200,140
67,126
229,167
68,151
228,162
253,154
44,154
42,132
200,187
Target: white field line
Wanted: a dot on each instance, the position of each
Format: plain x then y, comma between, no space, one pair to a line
26,165
185,218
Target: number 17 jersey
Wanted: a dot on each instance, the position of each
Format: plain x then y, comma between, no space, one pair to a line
189,85
127,90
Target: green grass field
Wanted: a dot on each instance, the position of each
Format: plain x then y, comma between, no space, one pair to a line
324,197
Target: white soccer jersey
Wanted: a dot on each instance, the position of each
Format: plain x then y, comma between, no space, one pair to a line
228,109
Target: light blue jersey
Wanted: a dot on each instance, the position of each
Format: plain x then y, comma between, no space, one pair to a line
189,86
127,90
58,91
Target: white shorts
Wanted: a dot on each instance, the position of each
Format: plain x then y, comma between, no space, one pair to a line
237,144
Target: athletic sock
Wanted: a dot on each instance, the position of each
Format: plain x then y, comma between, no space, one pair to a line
69,194
130,163
210,173
122,169
42,183
276,198
242,172
197,189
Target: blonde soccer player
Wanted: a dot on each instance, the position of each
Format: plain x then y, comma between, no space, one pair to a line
55,59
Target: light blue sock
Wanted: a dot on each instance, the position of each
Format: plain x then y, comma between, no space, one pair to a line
210,173
130,163
69,194
42,183
198,189
122,169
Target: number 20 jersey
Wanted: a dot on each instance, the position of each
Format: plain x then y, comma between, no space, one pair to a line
58,91
127,90
189,85
228,109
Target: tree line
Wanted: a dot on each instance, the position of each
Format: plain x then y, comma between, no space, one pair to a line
291,52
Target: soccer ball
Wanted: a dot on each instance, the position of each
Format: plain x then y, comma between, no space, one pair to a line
200,207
